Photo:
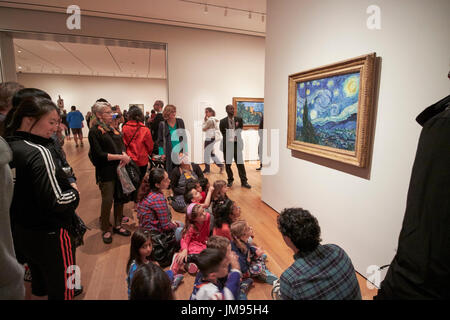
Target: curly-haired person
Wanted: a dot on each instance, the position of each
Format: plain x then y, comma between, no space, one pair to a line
320,272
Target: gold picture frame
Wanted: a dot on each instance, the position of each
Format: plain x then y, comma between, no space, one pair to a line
251,110
331,110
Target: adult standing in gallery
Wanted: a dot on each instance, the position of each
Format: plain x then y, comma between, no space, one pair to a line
75,121
44,203
138,139
154,126
232,145
260,143
211,129
107,151
171,138
421,267
319,272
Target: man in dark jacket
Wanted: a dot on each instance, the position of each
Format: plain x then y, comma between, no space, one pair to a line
232,145
421,267
157,106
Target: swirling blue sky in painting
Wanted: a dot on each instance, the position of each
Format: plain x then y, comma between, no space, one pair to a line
332,104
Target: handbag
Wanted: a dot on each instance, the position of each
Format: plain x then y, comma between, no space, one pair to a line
120,196
77,230
165,246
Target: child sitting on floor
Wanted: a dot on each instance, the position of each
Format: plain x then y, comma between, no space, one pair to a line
219,194
225,213
204,188
192,195
214,265
251,258
195,235
140,251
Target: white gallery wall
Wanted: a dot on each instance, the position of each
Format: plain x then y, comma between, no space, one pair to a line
205,68
363,215
83,91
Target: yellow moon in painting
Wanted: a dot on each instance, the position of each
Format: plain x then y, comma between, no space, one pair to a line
351,86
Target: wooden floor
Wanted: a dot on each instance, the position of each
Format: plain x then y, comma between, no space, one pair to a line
103,266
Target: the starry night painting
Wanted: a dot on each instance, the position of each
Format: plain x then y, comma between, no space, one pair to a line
327,111
330,110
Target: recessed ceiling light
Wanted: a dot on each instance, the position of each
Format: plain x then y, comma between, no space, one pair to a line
19,51
20,67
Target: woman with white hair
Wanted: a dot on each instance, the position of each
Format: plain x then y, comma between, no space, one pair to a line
107,152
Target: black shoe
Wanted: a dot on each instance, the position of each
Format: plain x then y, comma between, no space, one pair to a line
206,171
125,233
246,185
77,292
230,184
107,240
260,167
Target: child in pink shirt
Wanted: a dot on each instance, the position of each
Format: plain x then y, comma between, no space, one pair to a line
195,235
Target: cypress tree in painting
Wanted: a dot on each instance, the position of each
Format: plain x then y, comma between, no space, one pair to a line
308,134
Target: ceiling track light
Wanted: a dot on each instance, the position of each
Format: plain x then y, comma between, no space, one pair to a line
206,9
262,18
249,14
226,12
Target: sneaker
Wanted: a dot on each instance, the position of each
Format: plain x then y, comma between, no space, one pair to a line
192,268
174,266
176,281
276,290
270,277
245,285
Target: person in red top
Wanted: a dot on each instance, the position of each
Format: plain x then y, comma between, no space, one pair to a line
137,138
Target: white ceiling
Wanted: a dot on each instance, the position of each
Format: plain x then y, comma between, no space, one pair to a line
60,57
54,57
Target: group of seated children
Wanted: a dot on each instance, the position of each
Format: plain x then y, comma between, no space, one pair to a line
218,248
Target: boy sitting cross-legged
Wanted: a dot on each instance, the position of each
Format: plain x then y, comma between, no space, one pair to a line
214,265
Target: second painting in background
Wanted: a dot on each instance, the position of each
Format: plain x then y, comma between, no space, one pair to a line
250,110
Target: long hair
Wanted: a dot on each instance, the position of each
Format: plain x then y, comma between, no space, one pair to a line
138,239
238,229
209,109
222,213
192,212
150,282
218,186
148,184
18,97
35,107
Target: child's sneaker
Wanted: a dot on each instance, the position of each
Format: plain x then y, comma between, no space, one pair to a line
174,266
276,290
270,277
176,281
192,268
245,285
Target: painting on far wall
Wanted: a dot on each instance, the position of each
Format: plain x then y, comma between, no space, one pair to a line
250,110
330,110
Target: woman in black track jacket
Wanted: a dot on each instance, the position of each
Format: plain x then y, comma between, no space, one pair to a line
44,202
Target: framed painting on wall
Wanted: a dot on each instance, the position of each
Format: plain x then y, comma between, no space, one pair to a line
250,110
331,110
